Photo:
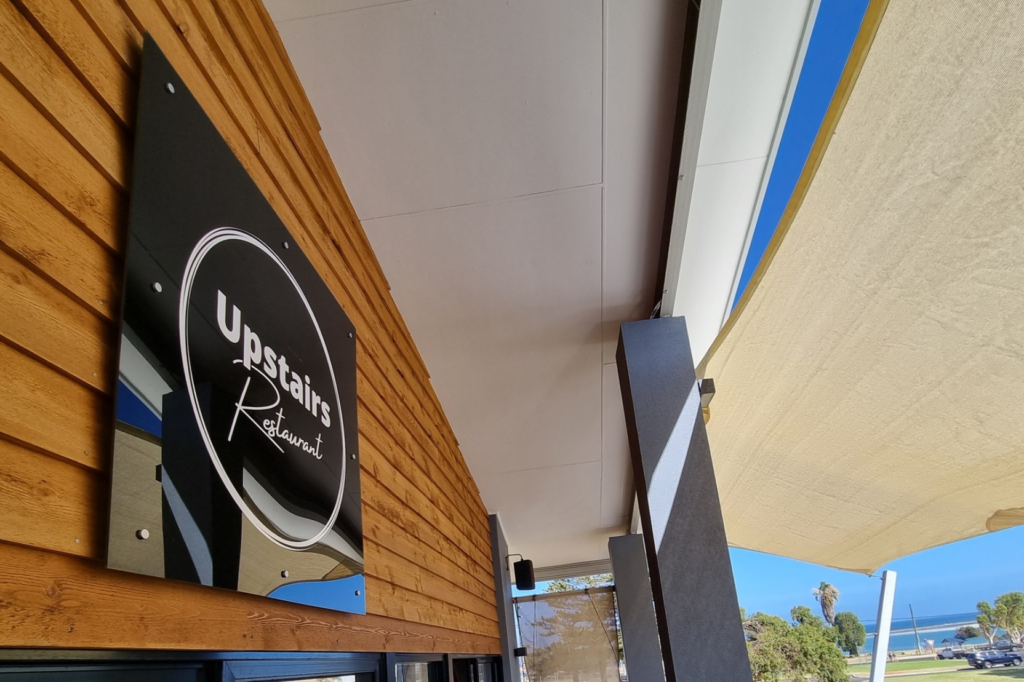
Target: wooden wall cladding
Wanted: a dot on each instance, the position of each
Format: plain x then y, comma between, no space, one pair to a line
68,74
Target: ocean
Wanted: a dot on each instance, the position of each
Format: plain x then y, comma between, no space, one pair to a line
935,628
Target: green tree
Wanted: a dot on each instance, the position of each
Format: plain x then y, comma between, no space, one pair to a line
827,595
768,648
780,652
816,654
570,584
1009,614
803,615
987,621
967,632
850,632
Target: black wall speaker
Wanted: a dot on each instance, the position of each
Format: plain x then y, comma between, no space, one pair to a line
523,570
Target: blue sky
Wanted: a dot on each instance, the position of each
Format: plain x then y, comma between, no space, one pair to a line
835,29
939,581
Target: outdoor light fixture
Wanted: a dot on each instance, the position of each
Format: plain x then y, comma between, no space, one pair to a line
707,392
523,570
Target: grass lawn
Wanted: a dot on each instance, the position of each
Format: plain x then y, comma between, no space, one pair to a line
900,666
993,675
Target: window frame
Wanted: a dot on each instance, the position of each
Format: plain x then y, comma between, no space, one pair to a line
62,665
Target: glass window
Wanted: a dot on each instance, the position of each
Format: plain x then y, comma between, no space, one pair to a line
485,672
417,672
572,633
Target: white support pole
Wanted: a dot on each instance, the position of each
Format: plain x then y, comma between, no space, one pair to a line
880,653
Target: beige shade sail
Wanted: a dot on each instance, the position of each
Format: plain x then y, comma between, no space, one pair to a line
870,385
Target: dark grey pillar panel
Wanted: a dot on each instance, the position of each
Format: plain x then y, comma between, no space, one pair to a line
687,555
503,595
637,620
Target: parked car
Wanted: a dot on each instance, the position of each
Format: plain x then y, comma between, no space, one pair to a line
991,658
1004,646
950,653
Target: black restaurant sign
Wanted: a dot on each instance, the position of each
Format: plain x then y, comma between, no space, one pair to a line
235,443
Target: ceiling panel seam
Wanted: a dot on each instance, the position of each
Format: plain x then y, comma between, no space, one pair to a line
604,212
723,163
553,466
340,11
488,202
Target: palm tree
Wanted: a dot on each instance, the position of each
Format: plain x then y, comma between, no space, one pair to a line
827,595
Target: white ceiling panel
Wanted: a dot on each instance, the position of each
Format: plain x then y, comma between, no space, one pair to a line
441,103
754,58
504,302
541,512
644,48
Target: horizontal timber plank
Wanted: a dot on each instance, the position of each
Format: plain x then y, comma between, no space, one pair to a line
382,531
386,599
71,34
51,504
406,454
257,21
45,159
42,408
390,507
117,30
40,235
392,403
440,537
38,316
396,569
384,471
72,603
32,63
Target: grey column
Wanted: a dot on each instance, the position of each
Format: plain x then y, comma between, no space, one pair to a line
503,597
637,619
687,555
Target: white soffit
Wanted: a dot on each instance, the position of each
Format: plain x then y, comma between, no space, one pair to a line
869,391
509,163
757,56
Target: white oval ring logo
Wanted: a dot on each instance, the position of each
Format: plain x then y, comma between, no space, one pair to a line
202,248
